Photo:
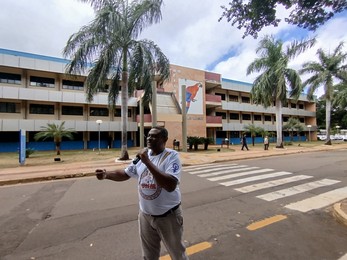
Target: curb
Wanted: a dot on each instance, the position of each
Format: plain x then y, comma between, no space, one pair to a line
339,214
45,178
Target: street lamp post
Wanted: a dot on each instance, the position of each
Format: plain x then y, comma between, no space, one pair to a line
309,132
99,122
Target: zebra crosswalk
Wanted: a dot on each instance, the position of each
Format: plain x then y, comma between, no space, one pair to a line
261,179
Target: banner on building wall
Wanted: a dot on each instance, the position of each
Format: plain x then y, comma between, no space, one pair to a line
22,146
194,96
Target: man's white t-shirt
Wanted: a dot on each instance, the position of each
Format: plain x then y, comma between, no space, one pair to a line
153,199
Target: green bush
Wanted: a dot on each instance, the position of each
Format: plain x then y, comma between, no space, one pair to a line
206,141
28,152
194,141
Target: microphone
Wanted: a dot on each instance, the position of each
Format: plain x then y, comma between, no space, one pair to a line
136,160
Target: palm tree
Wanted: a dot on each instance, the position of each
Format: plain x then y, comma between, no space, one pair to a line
277,81
108,49
340,100
292,125
326,71
253,130
55,131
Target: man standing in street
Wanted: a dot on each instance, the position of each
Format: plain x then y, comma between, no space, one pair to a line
158,170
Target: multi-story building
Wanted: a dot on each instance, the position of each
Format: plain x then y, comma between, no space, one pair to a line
34,91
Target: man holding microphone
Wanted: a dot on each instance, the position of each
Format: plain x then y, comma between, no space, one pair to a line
158,170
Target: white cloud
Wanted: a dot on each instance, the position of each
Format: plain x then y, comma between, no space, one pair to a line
189,33
40,26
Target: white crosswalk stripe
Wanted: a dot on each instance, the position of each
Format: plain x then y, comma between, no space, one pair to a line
255,178
205,175
319,201
233,176
269,184
297,189
241,174
199,170
207,166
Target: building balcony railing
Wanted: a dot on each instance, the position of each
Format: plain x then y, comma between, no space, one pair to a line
214,77
213,101
213,120
146,117
213,98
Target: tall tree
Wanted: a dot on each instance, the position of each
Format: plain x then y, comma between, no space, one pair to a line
277,81
253,130
292,125
254,15
325,72
109,49
55,132
341,99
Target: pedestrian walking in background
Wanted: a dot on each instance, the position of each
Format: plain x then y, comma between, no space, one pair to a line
158,171
244,143
266,143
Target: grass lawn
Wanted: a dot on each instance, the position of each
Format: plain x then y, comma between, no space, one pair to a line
8,160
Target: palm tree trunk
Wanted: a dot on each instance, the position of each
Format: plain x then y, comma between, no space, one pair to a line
279,142
327,120
57,147
292,136
124,109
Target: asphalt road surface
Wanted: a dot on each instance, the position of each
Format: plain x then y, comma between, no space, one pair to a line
270,208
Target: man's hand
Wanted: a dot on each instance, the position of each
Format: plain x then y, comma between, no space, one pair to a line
100,174
143,155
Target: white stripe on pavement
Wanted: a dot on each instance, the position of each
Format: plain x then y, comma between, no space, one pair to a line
268,184
255,178
319,201
203,166
210,169
232,176
296,189
238,169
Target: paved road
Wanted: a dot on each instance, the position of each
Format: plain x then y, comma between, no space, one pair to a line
230,205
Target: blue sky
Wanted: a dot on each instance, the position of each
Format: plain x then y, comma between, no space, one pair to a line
189,33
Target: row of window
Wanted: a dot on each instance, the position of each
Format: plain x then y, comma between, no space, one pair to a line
6,107
36,81
236,116
267,118
41,109
10,78
235,98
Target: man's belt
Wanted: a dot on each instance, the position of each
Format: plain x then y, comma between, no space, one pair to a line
167,212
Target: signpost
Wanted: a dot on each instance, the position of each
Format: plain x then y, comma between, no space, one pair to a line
99,122
22,146
309,132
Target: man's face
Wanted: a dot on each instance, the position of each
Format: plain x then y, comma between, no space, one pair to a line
154,140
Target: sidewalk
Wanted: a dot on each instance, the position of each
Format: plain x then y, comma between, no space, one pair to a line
61,170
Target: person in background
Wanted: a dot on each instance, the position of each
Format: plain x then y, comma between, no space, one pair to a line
244,142
158,171
266,143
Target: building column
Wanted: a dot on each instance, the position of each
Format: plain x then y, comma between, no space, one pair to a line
184,119
154,103
142,125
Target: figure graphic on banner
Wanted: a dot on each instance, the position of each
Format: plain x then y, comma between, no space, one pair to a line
191,92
